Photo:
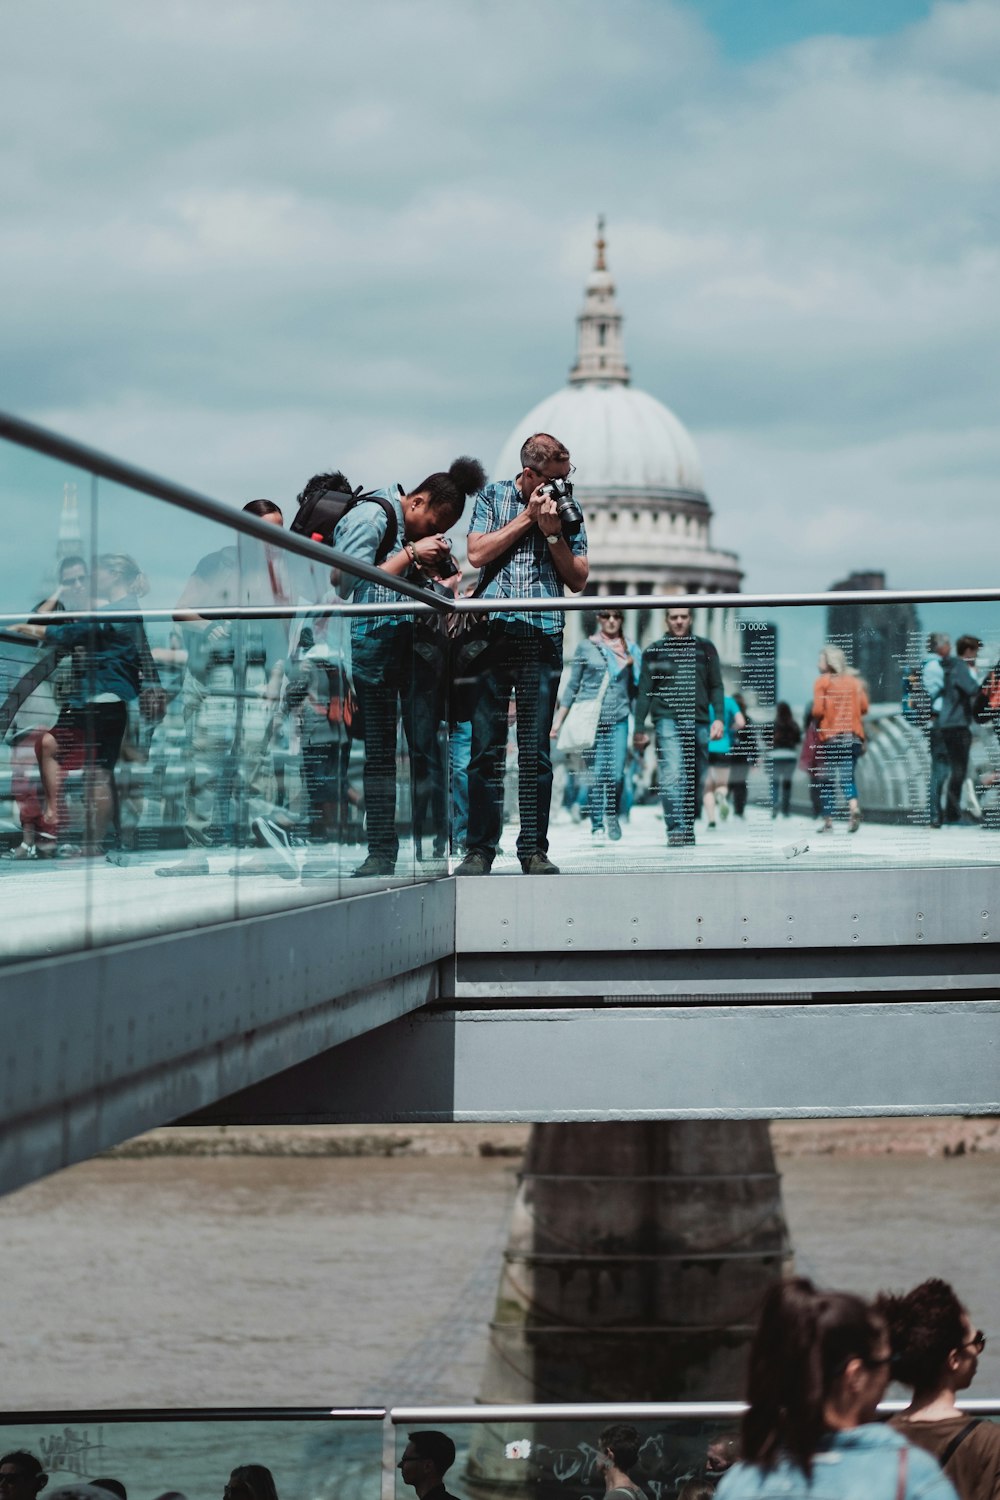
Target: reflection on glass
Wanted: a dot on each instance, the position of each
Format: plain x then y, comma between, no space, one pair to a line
197,1458
567,1459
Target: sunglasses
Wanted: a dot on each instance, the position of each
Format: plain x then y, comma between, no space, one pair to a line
610,614
977,1342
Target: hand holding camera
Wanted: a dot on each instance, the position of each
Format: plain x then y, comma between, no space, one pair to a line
560,493
433,554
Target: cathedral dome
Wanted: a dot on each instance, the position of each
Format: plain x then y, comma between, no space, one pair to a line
619,438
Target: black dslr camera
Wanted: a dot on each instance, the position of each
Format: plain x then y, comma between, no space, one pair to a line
567,508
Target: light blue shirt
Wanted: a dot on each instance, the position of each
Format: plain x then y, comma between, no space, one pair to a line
862,1464
359,534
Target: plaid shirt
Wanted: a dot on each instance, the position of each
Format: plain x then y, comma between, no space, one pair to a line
529,572
359,535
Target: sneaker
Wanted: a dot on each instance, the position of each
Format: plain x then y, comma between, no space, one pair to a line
375,864
614,828
192,864
723,807
474,863
855,822
539,864
276,839
320,869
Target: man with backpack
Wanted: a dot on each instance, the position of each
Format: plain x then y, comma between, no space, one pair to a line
389,671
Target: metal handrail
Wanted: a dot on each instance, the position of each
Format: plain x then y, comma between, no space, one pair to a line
599,1411
53,445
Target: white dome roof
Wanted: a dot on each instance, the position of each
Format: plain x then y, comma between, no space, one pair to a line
618,438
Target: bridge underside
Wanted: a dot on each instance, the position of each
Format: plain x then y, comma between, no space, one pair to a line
652,997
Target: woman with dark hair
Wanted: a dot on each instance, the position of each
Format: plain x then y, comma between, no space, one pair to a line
935,1350
819,1365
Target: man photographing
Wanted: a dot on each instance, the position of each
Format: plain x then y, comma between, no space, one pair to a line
528,544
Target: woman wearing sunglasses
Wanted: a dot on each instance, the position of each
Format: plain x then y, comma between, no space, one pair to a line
607,657
819,1365
936,1350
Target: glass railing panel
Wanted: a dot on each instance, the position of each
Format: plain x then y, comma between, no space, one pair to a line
777,784
559,1458
204,1457
48,519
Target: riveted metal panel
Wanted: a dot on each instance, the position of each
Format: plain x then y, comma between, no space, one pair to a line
103,1045
713,910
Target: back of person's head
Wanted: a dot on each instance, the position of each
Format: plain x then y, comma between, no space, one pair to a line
967,644
697,1489
113,1487
319,484
623,1442
127,569
803,1343
436,1447
924,1327
256,1478
783,714
836,661
541,449
26,1462
448,491
262,508
937,639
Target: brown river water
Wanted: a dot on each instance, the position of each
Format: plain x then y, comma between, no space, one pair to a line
256,1281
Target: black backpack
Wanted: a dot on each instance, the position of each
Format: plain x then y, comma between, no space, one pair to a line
319,516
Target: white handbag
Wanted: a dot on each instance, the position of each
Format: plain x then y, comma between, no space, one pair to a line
578,730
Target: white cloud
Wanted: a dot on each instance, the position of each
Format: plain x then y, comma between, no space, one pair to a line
246,240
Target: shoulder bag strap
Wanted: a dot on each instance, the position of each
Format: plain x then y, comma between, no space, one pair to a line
959,1438
904,1460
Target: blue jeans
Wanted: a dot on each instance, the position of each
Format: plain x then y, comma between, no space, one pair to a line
460,752
527,666
838,758
682,765
606,767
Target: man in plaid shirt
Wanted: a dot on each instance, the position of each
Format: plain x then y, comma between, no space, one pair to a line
515,524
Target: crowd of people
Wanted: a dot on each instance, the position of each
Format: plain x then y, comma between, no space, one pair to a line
615,716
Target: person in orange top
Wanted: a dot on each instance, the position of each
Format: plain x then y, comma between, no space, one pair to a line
839,706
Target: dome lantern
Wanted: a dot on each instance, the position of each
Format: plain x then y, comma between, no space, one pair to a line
600,348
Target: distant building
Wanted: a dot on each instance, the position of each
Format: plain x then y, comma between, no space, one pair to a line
878,639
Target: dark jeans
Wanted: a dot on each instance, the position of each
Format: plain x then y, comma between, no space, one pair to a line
391,676
682,766
949,765
527,666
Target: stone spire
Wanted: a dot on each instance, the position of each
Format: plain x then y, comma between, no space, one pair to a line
600,351
70,541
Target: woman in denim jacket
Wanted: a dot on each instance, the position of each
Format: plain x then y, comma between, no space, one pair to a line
819,1365
607,654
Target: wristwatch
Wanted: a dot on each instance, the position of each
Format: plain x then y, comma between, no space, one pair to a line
556,537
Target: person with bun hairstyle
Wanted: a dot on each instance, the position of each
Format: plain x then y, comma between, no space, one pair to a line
935,1350
388,672
819,1365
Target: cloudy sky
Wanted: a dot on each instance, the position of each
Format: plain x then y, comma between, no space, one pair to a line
243,240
